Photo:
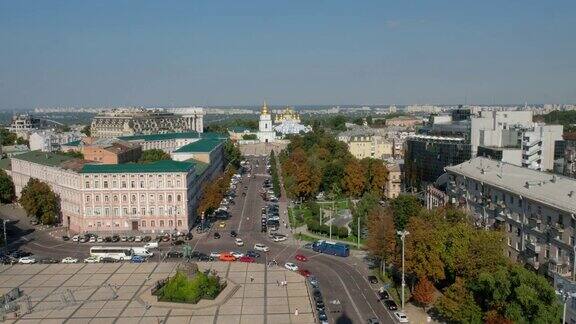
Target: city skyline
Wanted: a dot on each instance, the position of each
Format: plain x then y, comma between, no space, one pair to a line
140,53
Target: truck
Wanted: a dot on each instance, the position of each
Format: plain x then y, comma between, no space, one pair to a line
333,248
141,251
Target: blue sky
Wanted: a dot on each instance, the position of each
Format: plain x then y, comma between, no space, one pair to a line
86,53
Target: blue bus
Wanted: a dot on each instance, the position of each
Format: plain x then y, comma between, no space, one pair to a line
333,248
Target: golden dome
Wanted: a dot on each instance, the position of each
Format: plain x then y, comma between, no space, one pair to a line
264,109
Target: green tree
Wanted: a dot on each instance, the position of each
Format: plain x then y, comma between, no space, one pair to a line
153,155
86,130
424,248
457,304
249,137
232,154
6,188
376,175
40,202
7,137
404,207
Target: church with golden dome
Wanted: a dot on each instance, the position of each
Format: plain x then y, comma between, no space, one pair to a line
287,114
266,133
286,122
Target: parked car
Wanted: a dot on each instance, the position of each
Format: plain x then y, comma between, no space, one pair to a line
239,242
69,260
137,259
215,254
108,239
237,254
222,225
291,266
301,258
178,242
227,257
401,317
65,238
75,238
372,279
304,273
261,247
390,304
247,259
92,239
252,254
123,238
27,260
383,294
151,245
100,239
91,259
174,254
373,320
49,261
115,238
107,260
138,238
83,239
216,235
233,233
313,282
146,238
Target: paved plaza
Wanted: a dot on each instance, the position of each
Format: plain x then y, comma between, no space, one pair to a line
113,293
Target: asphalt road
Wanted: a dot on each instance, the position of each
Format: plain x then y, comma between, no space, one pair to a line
343,279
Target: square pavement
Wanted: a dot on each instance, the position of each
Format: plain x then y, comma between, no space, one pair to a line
109,293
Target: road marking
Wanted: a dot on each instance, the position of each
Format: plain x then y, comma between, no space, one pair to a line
243,208
349,296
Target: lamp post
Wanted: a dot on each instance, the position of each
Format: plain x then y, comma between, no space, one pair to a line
403,235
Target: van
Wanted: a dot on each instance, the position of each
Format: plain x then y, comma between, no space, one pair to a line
151,245
140,251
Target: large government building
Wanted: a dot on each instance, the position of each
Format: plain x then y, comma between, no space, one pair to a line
112,198
136,121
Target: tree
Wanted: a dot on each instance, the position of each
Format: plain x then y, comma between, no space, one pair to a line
424,292
457,304
404,207
232,154
86,130
375,175
381,234
153,155
249,137
424,248
353,182
6,188
7,137
40,202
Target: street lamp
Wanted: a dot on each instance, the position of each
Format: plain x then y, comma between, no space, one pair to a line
403,235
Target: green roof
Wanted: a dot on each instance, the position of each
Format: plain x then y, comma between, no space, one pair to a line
170,136
44,158
73,143
202,145
159,166
5,164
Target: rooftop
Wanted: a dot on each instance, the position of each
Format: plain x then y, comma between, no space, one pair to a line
547,188
44,158
171,136
202,145
159,166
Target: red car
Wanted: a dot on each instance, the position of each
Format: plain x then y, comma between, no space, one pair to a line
247,259
304,272
301,258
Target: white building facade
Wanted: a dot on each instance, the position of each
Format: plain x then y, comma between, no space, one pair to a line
266,133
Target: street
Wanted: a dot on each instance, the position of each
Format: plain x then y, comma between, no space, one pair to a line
341,279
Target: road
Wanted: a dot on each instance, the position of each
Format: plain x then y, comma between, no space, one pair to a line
343,279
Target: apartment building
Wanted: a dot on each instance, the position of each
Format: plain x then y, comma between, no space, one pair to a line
50,141
489,128
393,186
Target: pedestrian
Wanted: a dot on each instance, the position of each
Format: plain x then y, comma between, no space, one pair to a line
251,278
277,283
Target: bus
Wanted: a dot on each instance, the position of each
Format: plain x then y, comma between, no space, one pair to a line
114,252
333,248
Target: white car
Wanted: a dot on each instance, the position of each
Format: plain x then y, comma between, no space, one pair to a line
92,239
27,260
69,260
239,242
91,260
278,238
261,247
75,238
237,255
215,254
138,238
291,266
401,317
100,239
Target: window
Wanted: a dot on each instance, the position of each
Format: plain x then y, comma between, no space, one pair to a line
133,198
179,222
106,198
509,242
97,198
123,184
105,184
116,212
88,198
143,223
151,197
178,183
160,184
143,211
115,198
169,197
161,211
106,211
124,198
152,223
171,223
161,198
169,183
88,211
96,184
178,198
151,210
132,184
114,184
87,185
133,211
141,184
161,223
125,211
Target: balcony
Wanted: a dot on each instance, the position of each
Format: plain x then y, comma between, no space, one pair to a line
533,246
533,262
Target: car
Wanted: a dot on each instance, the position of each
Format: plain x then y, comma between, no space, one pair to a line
26,260
137,259
203,257
49,261
383,294
65,238
189,236
301,258
317,294
147,238
123,238
247,259
227,257
320,305
373,320
138,238
372,279
75,238
214,254
322,316
107,260
237,254
8,260
216,235
279,238
91,259
291,266
115,238
239,242
221,225
108,239
100,239
131,238
252,254
308,246
313,282
151,245
92,239
174,254
304,273
390,304
82,239
233,233
401,317
261,247
178,242
69,260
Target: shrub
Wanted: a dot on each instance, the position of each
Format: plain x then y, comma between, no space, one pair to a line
183,290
